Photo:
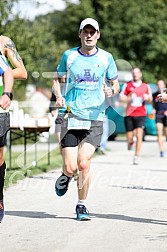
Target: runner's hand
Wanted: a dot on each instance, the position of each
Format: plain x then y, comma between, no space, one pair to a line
162,98
107,90
5,102
145,97
60,102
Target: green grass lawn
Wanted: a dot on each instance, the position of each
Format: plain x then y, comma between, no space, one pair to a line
18,171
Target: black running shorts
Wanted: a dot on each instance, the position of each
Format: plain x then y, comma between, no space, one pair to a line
4,127
160,118
132,122
72,138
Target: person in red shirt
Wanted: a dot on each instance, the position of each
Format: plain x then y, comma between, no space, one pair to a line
135,93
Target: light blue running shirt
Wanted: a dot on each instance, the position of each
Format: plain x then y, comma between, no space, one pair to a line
83,90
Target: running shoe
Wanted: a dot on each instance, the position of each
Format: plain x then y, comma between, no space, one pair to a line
61,185
161,154
135,160
1,210
82,213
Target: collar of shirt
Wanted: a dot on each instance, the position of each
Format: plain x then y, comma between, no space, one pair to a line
137,84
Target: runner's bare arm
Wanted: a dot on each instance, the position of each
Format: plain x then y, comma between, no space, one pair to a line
115,86
56,89
5,101
8,80
10,51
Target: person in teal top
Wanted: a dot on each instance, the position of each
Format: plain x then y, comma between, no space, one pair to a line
86,75
91,75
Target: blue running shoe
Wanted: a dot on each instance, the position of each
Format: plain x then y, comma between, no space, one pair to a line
161,154
1,210
61,185
82,213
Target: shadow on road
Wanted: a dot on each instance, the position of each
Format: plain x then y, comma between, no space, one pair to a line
37,215
135,187
42,215
128,218
30,214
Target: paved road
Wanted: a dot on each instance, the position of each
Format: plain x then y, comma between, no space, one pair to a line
127,203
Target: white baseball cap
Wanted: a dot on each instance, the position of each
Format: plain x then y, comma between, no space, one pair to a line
89,21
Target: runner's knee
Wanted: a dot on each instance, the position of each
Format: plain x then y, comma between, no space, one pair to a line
83,165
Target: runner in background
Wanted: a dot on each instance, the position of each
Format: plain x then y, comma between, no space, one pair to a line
135,93
5,100
8,53
161,115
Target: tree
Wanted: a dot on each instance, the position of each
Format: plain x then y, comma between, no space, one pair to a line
135,31
5,11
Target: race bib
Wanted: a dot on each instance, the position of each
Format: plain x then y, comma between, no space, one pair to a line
78,124
137,102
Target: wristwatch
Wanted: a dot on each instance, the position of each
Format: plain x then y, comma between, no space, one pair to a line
9,94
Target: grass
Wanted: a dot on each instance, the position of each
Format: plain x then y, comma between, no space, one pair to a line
18,171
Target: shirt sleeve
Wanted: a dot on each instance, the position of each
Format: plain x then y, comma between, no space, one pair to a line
62,67
112,72
3,65
124,90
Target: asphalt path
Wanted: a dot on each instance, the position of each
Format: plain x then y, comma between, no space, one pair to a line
127,204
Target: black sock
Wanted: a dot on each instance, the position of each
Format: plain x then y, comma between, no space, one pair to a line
2,179
68,177
64,179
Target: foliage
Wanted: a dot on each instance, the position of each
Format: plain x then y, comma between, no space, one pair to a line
5,11
137,31
133,31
